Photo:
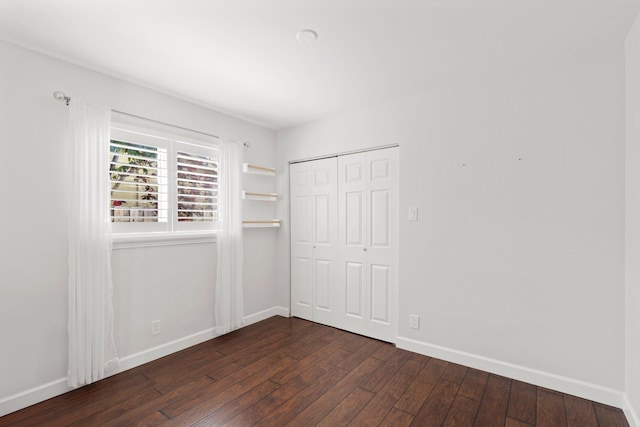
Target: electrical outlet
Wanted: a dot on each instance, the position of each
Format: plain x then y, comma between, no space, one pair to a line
155,327
414,321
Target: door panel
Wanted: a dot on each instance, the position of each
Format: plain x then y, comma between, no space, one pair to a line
301,221
354,282
354,205
379,169
380,217
302,272
380,303
323,284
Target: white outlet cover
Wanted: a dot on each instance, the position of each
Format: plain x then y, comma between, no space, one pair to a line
413,214
155,327
414,321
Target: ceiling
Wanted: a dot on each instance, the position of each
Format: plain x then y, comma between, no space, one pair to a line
242,57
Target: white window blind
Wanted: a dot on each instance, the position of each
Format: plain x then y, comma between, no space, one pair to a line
197,187
160,183
138,182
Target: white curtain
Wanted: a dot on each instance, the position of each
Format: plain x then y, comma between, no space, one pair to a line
228,305
92,347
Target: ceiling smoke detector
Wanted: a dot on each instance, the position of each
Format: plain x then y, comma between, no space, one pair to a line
306,36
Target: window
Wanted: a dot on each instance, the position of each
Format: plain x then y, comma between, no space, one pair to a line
161,182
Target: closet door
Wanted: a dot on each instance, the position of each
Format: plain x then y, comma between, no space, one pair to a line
313,189
368,239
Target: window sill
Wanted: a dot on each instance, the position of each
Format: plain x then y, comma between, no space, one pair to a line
145,240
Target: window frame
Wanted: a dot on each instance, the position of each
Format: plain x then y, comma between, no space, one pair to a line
141,234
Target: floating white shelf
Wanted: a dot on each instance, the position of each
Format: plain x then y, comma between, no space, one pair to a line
258,170
265,197
261,224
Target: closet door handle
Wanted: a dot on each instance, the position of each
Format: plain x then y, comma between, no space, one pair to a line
364,249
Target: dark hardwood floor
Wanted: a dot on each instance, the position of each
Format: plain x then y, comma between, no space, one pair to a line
293,372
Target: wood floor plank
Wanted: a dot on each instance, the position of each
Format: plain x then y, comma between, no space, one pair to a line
218,367
288,371
291,408
236,406
416,394
383,402
237,340
355,342
462,413
610,417
222,368
435,409
29,418
474,384
347,410
195,388
580,412
292,388
493,406
387,370
512,422
362,354
455,373
332,350
95,400
329,400
300,350
311,332
155,419
117,410
222,392
522,402
397,418
386,351
550,409
171,376
306,379
415,364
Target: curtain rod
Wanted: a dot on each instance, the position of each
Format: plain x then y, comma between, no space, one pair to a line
61,97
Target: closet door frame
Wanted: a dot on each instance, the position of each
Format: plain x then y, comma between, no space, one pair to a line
306,258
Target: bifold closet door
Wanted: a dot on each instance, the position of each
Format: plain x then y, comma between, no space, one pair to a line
314,232
368,242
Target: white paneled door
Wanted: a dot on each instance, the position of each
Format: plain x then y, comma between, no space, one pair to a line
314,235
368,242
344,242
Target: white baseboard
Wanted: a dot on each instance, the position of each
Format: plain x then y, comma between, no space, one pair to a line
630,412
262,315
163,350
32,396
566,385
55,388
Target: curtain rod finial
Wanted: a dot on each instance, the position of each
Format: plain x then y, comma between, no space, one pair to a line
60,96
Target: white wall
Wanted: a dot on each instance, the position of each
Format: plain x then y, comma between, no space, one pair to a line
632,252
148,282
516,262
